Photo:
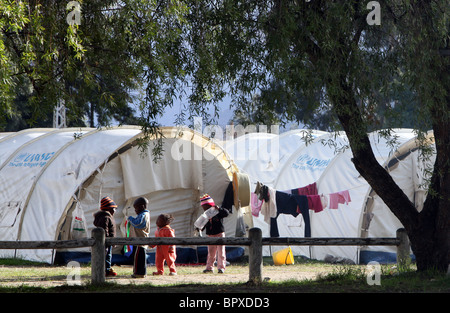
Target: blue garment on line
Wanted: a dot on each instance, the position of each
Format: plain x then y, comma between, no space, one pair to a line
287,204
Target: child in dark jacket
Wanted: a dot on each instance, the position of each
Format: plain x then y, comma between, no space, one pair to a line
214,228
104,219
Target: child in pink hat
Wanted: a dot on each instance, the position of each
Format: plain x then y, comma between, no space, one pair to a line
214,228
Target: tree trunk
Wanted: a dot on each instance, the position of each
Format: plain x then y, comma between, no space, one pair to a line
430,235
428,230
430,238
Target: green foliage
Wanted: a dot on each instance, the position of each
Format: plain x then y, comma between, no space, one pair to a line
284,58
285,53
95,67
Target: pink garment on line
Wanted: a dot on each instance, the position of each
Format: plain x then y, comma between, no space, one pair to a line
342,197
255,204
308,190
315,203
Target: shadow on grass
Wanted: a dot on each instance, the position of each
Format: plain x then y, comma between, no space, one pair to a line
345,281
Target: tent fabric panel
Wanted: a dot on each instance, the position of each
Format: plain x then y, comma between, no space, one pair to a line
262,167
19,176
385,147
409,175
62,178
306,167
107,182
142,175
241,148
215,179
12,143
179,203
341,222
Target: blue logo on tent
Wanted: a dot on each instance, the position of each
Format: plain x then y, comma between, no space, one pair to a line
307,162
30,160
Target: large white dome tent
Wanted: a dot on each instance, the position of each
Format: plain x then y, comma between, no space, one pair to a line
27,155
339,174
56,172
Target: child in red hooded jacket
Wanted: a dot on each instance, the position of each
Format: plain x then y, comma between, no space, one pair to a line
165,252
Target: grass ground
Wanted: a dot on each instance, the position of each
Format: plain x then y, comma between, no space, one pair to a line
304,276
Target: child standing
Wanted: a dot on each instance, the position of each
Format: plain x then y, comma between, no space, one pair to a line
140,228
214,228
165,252
104,219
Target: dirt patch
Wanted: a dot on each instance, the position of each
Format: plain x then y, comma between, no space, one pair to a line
186,275
202,278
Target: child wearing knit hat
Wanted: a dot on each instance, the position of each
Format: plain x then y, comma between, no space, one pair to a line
214,228
104,219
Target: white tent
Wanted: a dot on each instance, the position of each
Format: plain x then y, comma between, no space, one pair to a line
241,149
49,177
268,158
326,161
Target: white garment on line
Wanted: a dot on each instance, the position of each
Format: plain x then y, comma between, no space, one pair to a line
269,209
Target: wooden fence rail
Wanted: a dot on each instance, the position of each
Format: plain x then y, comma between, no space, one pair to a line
255,241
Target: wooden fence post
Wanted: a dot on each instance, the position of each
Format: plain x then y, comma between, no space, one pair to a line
403,256
98,254
255,256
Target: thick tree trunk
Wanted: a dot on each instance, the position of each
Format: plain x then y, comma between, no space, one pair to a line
428,230
431,235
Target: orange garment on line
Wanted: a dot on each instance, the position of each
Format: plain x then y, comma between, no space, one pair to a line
165,252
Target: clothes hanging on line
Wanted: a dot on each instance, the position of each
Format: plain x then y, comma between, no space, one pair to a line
294,201
315,203
314,199
255,204
228,199
308,190
303,208
269,206
324,200
341,197
293,205
286,204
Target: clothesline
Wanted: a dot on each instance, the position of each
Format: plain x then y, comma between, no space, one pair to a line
309,191
270,203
